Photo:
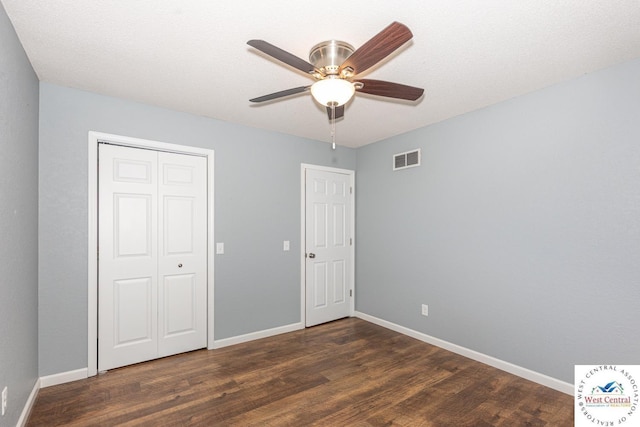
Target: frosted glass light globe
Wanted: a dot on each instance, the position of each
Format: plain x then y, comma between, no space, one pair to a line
332,90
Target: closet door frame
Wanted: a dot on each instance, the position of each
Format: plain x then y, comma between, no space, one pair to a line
92,259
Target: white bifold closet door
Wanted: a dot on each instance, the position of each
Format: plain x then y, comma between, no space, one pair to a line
152,263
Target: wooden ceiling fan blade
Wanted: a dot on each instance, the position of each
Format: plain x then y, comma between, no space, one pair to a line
389,89
378,48
282,55
339,112
281,94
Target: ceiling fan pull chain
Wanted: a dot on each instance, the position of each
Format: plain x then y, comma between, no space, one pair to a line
333,125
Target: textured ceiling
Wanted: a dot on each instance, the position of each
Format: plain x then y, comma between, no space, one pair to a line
192,55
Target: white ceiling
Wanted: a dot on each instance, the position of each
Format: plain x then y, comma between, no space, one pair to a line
192,55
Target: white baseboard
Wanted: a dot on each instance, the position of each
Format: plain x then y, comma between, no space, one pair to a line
63,377
26,411
225,342
79,374
472,354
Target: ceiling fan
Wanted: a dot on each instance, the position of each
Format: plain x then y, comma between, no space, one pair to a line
335,66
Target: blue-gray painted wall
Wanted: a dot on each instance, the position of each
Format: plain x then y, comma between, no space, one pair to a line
257,207
18,223
521,229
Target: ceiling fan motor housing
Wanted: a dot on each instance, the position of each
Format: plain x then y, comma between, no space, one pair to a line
329,55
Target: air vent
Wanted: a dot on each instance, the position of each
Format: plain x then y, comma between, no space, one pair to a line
408,159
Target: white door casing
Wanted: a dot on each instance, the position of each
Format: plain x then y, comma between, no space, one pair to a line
153,255
328,207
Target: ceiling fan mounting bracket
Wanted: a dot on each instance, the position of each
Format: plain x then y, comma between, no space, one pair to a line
346,73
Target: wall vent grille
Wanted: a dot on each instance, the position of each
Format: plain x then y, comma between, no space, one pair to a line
408,159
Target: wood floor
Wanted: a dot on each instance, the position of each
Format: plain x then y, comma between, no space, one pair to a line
345,373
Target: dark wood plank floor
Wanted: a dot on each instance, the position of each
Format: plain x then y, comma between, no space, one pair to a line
345,373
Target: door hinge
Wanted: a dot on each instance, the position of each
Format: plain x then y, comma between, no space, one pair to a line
350,241
350,190
350,292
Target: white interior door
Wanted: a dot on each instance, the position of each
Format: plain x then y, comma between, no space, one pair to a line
152,279
328,210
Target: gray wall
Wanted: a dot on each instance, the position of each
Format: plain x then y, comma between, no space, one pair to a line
18,222
257,206
521,229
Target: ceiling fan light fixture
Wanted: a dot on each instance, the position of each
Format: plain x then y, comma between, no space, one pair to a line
332,91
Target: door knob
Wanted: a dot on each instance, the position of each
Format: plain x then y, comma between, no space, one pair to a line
180,265
312,255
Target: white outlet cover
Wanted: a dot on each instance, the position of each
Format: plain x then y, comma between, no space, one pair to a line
219,248
285,245
425,310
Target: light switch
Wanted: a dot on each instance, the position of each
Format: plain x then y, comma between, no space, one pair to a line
219,248
285,246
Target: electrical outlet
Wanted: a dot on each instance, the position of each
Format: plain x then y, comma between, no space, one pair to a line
5,393
425,310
